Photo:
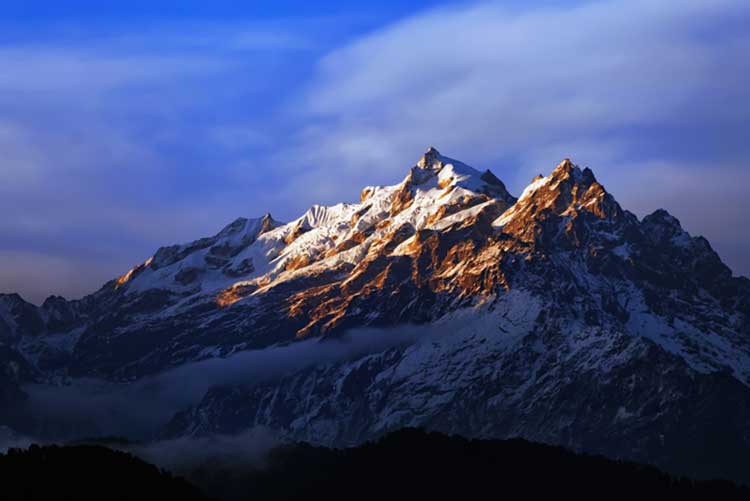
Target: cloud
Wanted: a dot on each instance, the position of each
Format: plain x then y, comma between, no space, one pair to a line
91,407
636,89
116,143
485,77
229,452
44,70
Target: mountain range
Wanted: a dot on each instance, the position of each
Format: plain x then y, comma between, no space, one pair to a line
558,317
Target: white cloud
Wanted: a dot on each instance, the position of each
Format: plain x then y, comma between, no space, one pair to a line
632,88
113,144
487,77
72,70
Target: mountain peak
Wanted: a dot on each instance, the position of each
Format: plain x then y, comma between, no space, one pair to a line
565,165
661,216
566,193
430,158
567,169
431,162
268,223
450,172
661,226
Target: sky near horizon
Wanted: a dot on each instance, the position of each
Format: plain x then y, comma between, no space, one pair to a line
125,126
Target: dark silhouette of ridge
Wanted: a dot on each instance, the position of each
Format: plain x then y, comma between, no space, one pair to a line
408,464
414,464
86,472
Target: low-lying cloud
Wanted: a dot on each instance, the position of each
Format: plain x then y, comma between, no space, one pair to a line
241,452
91,408
228,452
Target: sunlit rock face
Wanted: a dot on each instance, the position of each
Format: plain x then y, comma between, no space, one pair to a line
558,316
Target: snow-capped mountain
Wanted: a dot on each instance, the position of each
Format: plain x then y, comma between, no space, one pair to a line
257,282
558,316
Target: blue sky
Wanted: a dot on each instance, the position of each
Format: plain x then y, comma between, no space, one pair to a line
125,126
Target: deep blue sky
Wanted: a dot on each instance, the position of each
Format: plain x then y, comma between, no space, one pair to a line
125,126
187,9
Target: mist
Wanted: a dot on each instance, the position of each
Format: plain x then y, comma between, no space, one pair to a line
230,452
86,408
240,452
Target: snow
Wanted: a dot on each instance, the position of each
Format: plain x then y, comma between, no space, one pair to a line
435,182
533,187
682,239
320,216
461,175
463,215
514,210
621,251
680,337
623,414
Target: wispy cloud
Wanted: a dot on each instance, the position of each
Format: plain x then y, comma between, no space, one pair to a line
116,143
487,78
636,89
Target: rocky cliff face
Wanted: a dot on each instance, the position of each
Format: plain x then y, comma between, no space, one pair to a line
558,316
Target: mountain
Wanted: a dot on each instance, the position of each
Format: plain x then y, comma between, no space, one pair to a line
249,286
558,317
